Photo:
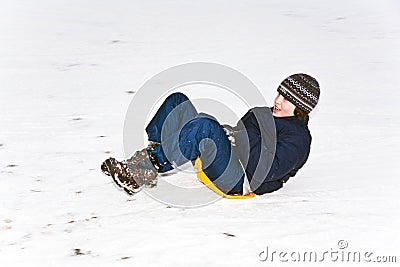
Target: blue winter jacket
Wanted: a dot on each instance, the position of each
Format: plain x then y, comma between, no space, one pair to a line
266,170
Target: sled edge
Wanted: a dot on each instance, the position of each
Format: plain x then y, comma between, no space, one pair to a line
206,181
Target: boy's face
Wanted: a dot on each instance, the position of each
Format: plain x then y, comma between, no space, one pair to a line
283,107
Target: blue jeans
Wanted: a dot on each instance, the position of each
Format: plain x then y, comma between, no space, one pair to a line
184,134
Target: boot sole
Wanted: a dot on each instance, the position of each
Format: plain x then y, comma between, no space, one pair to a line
118,182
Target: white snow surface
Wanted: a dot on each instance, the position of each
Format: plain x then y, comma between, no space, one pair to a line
66,67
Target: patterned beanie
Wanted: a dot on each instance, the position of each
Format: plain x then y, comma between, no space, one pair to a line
301,90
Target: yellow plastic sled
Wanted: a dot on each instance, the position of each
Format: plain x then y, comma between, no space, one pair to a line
205,180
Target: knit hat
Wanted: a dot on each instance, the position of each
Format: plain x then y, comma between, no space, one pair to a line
301,90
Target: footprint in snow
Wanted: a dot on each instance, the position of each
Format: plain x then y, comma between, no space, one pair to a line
229,235
11,166
79,252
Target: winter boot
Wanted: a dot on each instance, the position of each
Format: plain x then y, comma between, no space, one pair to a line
151,146
121,175
142,168
135,172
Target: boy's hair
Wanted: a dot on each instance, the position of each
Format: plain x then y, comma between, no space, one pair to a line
300,114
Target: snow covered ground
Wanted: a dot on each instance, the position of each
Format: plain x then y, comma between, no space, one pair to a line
69,69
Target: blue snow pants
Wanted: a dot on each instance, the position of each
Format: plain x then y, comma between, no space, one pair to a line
184,134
